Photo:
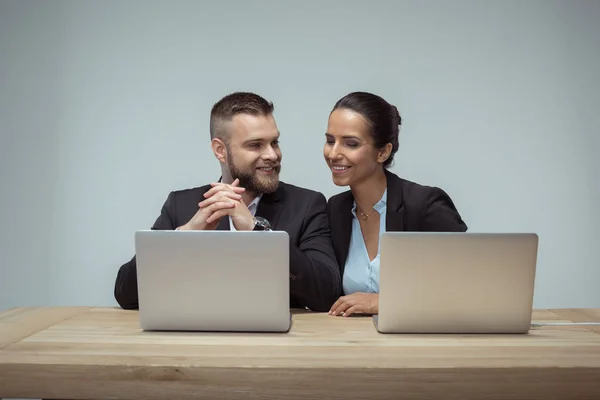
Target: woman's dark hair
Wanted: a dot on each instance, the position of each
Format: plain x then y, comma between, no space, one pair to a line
382,117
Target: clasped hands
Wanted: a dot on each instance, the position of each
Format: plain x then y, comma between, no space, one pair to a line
222,200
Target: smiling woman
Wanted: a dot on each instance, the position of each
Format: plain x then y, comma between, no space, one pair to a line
361,141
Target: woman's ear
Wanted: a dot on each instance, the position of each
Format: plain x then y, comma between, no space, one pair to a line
384,153
219,149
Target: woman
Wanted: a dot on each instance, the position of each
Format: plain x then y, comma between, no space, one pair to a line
361,140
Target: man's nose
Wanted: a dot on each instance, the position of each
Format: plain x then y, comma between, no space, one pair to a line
270,154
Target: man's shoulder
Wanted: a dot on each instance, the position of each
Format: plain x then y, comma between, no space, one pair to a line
192,190
191,193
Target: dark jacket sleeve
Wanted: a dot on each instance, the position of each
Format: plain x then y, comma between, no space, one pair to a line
126,289
314,274
440,213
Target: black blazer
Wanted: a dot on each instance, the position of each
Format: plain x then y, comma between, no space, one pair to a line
315,280
410,207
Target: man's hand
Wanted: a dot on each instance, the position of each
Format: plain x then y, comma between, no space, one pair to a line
366,303
225,201
242,218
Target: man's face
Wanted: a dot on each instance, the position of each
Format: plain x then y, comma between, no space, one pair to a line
253,153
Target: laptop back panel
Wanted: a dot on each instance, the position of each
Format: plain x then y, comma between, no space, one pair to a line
456,282
213,280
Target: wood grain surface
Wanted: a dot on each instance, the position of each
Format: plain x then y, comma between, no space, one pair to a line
95,353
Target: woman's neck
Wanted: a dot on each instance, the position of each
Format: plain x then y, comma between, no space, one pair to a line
369,192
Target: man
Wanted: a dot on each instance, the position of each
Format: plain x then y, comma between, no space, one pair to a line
249,196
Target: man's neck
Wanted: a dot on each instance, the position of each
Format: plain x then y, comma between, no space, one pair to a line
369,192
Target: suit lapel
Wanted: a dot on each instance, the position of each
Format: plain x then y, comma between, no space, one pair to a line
341,227
224,224
270,206
394,221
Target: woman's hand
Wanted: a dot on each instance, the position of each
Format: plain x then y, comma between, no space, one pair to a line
366,303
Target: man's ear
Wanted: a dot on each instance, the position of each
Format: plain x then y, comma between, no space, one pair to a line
384,153
219,150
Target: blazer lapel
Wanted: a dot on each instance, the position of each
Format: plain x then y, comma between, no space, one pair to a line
224,224
395,216
341,228
270,206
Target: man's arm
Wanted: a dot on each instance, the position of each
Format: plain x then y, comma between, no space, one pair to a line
126,288
440,214
315,275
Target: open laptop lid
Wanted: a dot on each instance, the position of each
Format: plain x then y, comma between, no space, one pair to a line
456,282
213,280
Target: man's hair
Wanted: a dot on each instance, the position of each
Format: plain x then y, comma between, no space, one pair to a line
233,104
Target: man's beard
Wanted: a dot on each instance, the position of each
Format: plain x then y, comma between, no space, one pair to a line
251,181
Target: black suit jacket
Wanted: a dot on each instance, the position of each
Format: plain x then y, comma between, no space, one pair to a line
410,207
315,280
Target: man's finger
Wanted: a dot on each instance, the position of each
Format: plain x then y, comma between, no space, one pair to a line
219,211
222,196
218,187
217,215
235,183
215,199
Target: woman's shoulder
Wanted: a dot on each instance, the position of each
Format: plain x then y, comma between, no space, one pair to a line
411,191
340,199
427,208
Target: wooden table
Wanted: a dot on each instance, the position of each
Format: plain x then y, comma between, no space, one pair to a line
95,353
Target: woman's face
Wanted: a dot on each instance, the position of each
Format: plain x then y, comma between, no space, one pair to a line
349,149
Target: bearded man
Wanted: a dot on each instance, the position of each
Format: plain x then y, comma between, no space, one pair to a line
249,196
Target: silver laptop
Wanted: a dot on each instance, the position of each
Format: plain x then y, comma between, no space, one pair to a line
456,282
213,280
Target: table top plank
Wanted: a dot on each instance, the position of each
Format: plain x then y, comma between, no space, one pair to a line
581,315
101,352
110,336
19,323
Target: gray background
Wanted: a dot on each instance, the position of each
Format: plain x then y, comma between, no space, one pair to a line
104,109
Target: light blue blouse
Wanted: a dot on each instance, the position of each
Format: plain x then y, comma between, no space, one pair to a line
360,273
